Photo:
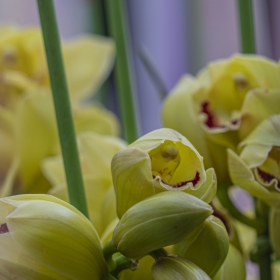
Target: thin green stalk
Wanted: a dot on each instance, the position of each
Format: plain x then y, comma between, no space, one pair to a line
246,25
158,253
123,263
150,67
62,106
118,30
258,224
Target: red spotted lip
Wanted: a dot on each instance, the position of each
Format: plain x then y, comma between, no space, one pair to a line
181,184
266,177
212,120
4,228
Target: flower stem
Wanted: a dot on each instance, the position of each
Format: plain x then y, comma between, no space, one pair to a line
108,250
62,106
118,30
158,253
258,224
246,25
123,263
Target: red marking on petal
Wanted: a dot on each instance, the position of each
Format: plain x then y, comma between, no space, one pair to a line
211,120
4,228
181,184
267,177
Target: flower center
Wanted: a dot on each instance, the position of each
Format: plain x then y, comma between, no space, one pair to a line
165,160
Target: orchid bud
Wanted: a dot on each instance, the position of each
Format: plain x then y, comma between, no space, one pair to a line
162,160
207,247
42,237
158,221
175,267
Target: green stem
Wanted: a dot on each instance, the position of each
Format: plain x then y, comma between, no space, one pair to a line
258,224
109,249
263,244
246,25
123,263
117,29
147,61
158,253
62,106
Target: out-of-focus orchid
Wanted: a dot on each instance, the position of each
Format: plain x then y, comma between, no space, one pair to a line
215,105
96,152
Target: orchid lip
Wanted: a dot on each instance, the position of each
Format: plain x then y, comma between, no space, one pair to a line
4,228
267,178
180,184
212,121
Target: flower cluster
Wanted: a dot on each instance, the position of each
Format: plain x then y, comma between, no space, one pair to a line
152,204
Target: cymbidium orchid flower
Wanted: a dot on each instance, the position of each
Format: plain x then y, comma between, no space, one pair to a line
23,65
176,267
257,169
213,104
43,237
162,160
96,152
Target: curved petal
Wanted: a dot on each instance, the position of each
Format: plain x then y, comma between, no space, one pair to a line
76,251
179,112
242,176
257,106
207,190
132,177
88,61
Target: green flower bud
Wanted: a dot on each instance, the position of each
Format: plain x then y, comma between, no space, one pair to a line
42,237
274,229
233,267
158,221
175,267
206,247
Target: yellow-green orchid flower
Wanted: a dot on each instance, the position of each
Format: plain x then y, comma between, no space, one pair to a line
162,160
43,237
215,104
257,168
96,152
176,267
30,134
87,60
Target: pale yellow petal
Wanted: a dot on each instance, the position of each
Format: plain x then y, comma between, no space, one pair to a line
242,176
132,178
97,119
180,113
88,61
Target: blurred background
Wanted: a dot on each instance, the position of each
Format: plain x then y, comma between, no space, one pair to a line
181,36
